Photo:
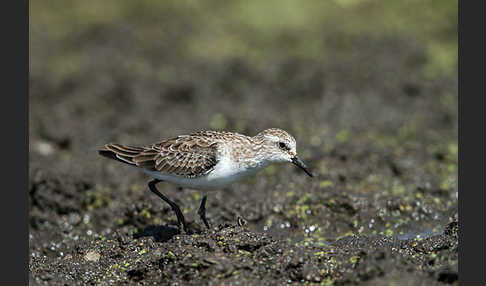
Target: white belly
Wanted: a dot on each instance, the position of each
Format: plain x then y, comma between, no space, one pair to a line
224,173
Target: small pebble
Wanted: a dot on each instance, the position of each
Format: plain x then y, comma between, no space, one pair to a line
44,148
74,218
92,256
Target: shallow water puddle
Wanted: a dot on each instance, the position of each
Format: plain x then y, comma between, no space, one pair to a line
421,234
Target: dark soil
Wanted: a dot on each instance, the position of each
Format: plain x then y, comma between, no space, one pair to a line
370,119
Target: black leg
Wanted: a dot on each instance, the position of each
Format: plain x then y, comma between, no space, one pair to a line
174,206
202,210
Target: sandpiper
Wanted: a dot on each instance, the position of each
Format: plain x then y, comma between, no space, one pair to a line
207,160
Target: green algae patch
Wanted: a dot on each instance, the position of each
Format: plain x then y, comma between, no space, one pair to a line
171,255
146,213
218,121
306,197
320,254
342,136
325,184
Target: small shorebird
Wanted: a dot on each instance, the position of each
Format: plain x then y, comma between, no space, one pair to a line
207,160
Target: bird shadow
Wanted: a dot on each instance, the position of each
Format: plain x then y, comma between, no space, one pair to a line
161,233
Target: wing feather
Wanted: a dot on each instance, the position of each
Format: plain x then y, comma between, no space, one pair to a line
187,155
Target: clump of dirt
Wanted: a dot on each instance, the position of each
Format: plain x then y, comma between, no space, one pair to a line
232,254
66,248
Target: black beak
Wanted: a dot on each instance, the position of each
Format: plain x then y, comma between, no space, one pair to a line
301,165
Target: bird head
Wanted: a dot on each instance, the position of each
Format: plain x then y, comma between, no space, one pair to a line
279,146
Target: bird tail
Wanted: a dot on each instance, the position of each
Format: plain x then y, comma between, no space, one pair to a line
124,154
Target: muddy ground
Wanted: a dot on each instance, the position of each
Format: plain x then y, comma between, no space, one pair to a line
373,108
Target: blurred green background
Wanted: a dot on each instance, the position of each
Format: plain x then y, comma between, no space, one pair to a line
212,55
257,31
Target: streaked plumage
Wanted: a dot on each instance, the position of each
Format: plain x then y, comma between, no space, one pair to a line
187,156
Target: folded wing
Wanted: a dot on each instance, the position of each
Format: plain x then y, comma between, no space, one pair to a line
188,156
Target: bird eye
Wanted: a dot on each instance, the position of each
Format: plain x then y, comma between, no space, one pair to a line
282,145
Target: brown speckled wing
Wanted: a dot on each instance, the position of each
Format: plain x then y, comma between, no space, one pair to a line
188,155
